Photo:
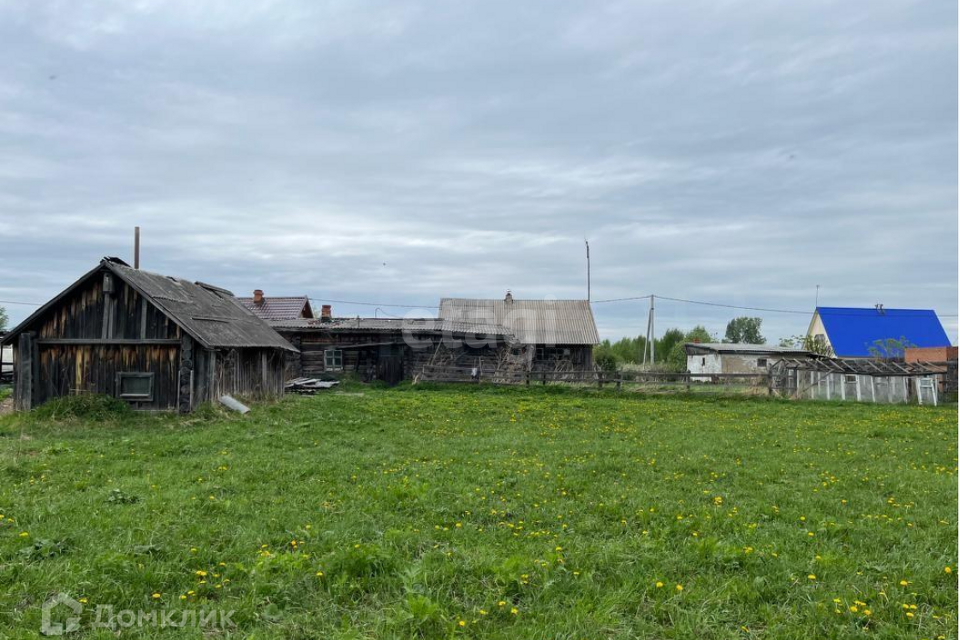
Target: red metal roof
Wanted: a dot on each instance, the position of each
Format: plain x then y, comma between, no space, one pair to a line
276,308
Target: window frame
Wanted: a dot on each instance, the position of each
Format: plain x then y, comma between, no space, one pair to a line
333,359
136,397
762,363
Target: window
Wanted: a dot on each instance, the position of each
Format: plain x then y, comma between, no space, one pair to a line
852,379
762,363
135,386
333,359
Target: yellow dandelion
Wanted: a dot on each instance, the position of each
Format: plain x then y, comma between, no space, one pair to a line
462,623
679,587
659,585
812,577
156,596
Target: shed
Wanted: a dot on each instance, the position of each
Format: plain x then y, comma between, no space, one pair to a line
156,341
855,332
711,358
559,333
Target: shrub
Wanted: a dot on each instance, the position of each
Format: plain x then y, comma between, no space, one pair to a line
90,407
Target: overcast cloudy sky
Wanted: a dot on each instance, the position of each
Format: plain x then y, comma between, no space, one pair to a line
727,151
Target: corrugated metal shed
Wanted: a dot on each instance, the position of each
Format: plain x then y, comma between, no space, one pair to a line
852,332
547,322
276,308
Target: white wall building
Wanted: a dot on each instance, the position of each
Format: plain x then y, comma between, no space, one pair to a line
711,358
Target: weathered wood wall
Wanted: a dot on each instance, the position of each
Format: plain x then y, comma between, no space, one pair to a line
246,373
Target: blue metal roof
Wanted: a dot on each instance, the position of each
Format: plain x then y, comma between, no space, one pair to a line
853,331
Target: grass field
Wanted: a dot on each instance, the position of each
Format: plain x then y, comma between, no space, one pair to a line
501,513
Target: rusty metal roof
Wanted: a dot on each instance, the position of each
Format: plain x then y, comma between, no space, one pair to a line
275,308
548,322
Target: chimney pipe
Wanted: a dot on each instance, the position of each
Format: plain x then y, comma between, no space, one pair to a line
136,247
258,297
326,313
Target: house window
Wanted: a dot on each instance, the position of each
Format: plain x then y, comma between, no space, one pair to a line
333,359
762,363
852,379
135,386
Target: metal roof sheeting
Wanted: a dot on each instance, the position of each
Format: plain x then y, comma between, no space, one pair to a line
391,324
277,308
852,332
742,348
547,322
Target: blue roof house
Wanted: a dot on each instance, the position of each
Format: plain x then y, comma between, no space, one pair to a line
854,333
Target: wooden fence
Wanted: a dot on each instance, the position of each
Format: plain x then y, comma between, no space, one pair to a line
476,375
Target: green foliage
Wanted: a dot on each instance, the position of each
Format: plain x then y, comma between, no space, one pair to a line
677,358
89,407
744,330
808,343
890,349
611,356
518,512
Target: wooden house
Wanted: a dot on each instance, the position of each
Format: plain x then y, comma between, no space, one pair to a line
386,349
557,335
158,342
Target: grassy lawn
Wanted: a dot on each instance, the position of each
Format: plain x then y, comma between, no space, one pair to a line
501,513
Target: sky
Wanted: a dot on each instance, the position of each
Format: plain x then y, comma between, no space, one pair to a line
734,152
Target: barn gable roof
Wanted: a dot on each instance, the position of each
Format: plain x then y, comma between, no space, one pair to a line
209,314
852,331
549,322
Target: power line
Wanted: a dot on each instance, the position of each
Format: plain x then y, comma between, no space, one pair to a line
377,304
29,304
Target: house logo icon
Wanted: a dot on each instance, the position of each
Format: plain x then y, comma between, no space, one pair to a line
71,624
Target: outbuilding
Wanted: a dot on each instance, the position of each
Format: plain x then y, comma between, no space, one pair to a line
557,335
705,359
155,341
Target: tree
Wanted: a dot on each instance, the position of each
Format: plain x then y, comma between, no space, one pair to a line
677,358
808,343
4,319
744,330
889,349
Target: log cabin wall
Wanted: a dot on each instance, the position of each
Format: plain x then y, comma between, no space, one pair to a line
91,335
245,373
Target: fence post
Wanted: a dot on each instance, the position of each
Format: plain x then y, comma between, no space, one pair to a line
600,380
526,376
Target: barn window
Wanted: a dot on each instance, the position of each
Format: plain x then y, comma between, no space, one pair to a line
135,386
333,359
761,362
852,379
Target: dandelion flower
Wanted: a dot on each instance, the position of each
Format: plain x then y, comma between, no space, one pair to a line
462,623
679,587
659,585
947,570
156,596
515,611
812,577
904,583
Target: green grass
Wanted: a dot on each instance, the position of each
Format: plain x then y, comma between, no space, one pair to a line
501,513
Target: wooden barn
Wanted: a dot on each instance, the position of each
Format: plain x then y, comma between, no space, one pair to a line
158,342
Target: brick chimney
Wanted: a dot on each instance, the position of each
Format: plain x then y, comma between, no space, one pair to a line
258,297
508,298
326,313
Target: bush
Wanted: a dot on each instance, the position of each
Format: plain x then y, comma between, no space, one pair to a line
92,407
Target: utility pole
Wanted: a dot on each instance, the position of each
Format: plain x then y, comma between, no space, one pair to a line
136,247
588,268
649,345
817,302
